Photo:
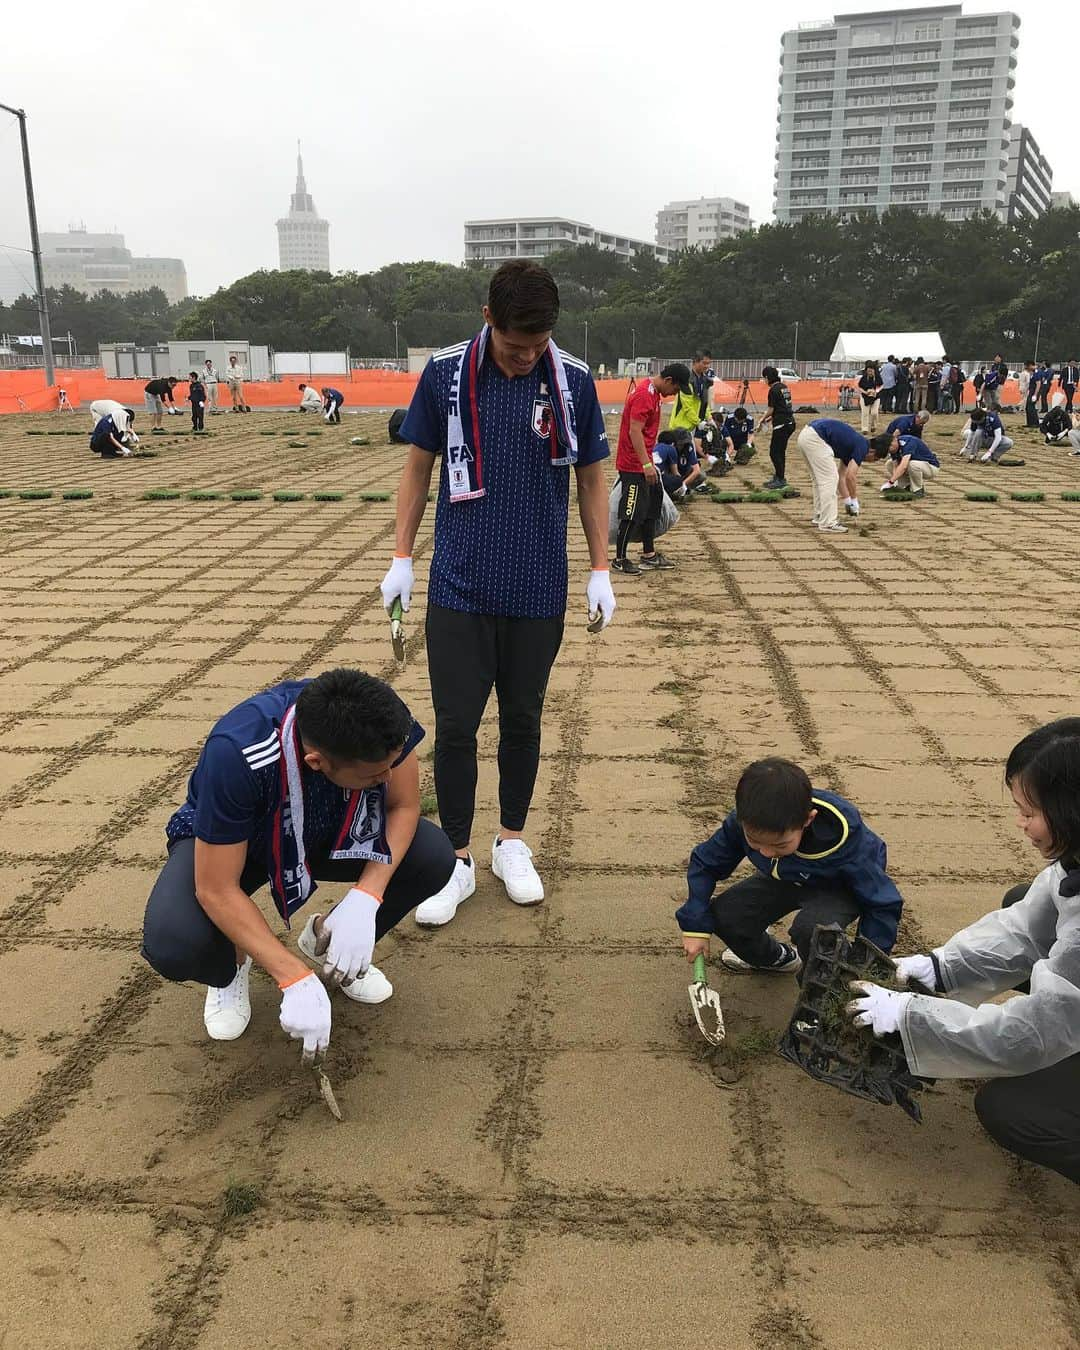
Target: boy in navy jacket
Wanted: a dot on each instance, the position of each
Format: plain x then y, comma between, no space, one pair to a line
812,853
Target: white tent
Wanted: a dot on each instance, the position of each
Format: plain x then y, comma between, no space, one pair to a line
853,348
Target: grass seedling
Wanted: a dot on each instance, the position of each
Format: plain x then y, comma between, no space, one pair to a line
374,496
981,496
728,498
898,495
162,495
205,495
1027,496
241,1197
429,804
288,496
359,440
77,495
35,494
328,496
246,495
1070,496
297,445
764,497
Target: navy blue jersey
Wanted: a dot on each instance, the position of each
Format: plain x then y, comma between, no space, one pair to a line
917,449
906,426
738,432
237,783
100,437
836,847
505,553
843,440
992,424
665,457
336,395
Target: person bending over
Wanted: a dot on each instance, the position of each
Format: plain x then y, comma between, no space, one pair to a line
738,437
332,401
984,438
1029,1045
310,399
312,780
813,855
909,462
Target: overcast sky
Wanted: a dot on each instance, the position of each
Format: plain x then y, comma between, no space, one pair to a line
178,127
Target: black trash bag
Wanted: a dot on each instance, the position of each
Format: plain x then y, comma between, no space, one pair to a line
822,1040
394,426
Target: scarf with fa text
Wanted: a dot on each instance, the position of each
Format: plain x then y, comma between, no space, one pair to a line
362,835
464,453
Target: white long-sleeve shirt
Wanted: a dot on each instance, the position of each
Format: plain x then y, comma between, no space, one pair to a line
1038,940
234,372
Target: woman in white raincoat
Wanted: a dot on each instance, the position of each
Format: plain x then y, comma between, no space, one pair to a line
1029,1045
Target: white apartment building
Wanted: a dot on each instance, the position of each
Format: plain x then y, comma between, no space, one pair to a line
492,242
303,235
1031,179
92,263
900,107
701,223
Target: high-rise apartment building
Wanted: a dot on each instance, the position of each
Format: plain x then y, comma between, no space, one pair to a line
303,235
91,263
1031,180
491,242
902,107
701,223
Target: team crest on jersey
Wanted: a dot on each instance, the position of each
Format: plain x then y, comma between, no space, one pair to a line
542,418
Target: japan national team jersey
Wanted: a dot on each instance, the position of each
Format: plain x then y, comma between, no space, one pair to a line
505,553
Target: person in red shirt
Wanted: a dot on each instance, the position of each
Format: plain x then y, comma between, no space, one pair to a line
642,492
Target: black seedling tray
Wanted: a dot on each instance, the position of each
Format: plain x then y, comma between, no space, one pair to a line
822,1040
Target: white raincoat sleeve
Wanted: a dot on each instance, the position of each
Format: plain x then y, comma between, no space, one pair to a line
1037,939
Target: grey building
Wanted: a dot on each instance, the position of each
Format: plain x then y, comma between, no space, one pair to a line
1062,201
491,242
92,263
1031,180
700,223
303,235
902,107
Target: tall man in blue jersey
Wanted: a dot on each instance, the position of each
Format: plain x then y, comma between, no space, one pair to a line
811,852
312,780
509,414
827,443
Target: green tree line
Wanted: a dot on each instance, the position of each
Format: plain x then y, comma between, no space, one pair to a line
985,285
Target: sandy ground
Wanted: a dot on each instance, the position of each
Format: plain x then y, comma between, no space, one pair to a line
537,1152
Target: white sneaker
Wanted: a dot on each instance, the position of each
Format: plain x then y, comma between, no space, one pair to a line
227,1011
371,987
511,861
443,905
985,459
835,528
787,963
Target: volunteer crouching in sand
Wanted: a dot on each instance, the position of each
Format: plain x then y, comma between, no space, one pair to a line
510,415
312,780
1029,1045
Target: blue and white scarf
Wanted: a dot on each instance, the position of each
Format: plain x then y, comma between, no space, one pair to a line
362,835
464,453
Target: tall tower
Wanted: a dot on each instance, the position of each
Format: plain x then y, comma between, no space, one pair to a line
303,236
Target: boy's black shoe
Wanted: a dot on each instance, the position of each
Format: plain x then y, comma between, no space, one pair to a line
657,563
627,567
788,963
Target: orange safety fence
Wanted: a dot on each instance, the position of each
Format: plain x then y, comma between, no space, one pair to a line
25,391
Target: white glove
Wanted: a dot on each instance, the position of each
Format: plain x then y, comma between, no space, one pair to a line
888,483
600,596
877,1008
351,926
918,968
305,1014
398,583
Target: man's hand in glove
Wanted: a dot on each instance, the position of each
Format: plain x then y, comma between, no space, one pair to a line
398,584
919,969
305,1014
351,926
877,1008
600,596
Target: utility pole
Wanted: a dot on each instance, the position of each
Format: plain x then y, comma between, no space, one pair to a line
795,357
395,339
633,348
586,342
1038,334
35,249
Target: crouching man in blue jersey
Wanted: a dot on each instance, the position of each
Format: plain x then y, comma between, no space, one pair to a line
312,780
813,855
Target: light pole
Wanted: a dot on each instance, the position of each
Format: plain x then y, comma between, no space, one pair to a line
586,342
395,340
1038,334
35,249
633,348
795,357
